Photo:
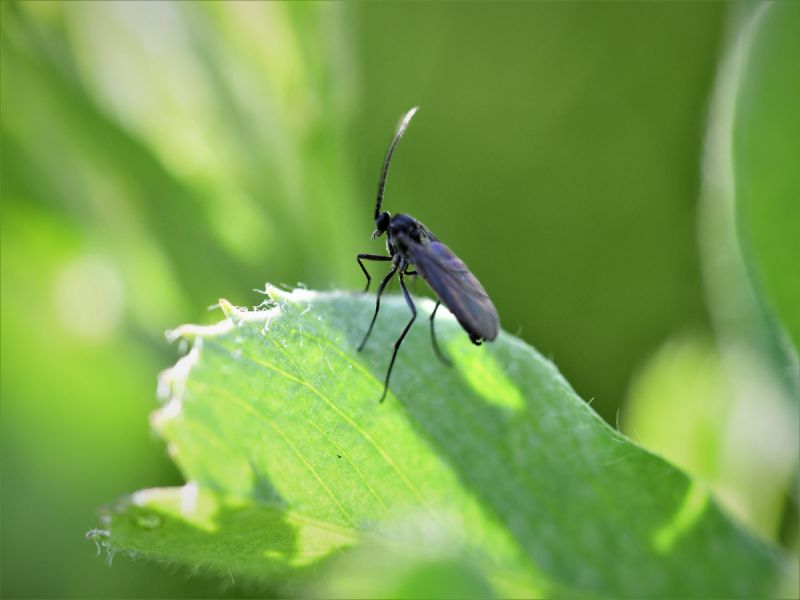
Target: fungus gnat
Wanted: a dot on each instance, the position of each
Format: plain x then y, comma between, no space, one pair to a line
411,244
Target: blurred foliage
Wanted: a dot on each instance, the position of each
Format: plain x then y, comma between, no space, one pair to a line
737,435
727,410
157,156
766,149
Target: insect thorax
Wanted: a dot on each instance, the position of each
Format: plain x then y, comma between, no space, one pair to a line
404,224
403,230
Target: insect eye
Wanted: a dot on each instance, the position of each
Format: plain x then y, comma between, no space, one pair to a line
382,222
381,225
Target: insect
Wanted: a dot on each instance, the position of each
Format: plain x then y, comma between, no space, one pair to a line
414,250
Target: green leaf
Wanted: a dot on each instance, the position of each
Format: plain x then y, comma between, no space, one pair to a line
766,148
495,463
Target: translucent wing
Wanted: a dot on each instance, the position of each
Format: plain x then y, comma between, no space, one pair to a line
457,288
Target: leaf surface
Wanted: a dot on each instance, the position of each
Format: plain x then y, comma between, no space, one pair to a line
273,418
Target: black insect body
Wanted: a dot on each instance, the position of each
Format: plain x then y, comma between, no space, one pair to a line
414,250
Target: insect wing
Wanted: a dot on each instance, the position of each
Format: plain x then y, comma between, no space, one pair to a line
457,288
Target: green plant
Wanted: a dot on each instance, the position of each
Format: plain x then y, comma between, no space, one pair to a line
495,464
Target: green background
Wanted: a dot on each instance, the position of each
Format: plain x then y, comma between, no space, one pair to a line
158,157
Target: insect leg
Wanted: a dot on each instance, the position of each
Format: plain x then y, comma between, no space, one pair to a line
439,353
399,341
377,305
376,257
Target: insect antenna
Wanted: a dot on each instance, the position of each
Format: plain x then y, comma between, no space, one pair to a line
401,128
